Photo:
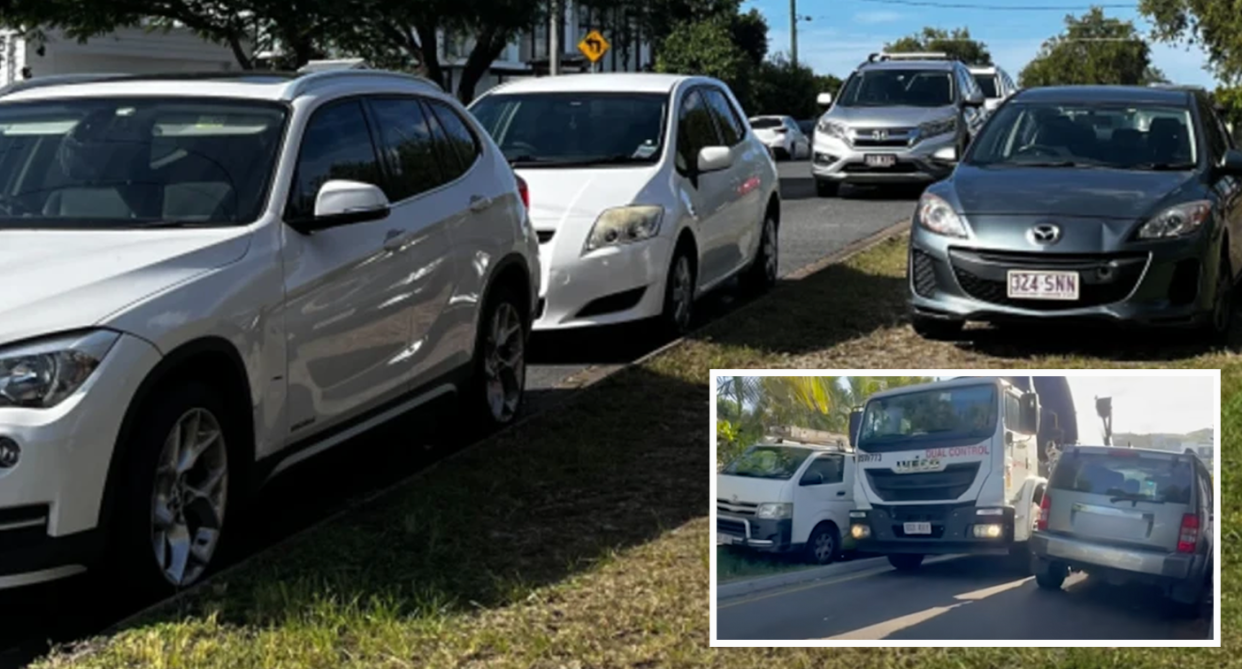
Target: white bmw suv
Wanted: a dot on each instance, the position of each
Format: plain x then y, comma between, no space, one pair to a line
208,279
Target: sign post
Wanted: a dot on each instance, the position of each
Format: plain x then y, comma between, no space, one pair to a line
594,46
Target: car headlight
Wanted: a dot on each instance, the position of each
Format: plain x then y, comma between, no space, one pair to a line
831,128
43,373
937,128
936,215
1177,221
622,225
774,511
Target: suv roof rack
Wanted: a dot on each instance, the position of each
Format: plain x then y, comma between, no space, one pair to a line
923,55
336,64
55,80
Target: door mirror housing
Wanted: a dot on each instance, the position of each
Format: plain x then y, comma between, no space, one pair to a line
946,154
714,159
816,478
342,202
1232,163
974,99
1030,413
824,99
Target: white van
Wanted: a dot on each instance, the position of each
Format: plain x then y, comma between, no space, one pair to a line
787,496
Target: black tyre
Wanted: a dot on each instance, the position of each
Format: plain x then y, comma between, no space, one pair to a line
1049,575
1217,329
825,188
678,314
761,276
181,480
498,387
937,329
824,544
905,561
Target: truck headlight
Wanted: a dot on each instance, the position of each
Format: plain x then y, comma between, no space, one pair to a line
774,511
41,374
939,127
623,225
831,128
1177,221
936,215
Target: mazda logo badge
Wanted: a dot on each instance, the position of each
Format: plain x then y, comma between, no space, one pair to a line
879,135
1044,234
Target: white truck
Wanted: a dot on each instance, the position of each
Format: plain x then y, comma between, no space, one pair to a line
950,467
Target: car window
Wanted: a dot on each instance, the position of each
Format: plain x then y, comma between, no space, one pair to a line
988,84
405,141
1217,140
830,467
1013,412
463,141
451,166
893,87
1132,475
768,122
695,130
336,145
731,129
769,462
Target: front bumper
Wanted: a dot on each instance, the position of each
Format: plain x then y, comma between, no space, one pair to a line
1172,571
615,284
51,501
835,159
951,530
756,533
1157,284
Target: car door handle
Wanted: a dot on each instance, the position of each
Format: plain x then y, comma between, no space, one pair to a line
479,203
840,493
394,240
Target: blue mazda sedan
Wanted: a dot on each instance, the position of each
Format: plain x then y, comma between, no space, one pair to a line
1103,203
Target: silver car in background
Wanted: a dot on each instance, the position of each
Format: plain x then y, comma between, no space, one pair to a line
995,83
900,118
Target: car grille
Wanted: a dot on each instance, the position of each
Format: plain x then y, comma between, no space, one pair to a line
895,137
1103,278
729,526
900,167
923,273
736,508
949,484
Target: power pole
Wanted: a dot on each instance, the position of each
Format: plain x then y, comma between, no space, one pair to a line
554,37
793,32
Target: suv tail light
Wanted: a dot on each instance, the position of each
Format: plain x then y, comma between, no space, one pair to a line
1188,537
523,191
1044,505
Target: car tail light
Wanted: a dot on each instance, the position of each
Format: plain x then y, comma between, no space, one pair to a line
1044,505
1189,535
523,191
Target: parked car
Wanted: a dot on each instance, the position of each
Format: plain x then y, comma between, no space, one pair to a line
996,84
214,277
895,116
787,496
807,126
1054,215
782,136
1128,515
647,191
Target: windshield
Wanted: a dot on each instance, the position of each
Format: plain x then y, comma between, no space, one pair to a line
987,83
911,88
965,412
575,129
758,123
121,163
768,462
1116,137
1130,476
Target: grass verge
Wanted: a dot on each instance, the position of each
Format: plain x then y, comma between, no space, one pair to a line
581,539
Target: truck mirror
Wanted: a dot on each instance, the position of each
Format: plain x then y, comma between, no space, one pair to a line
855,424
1030,413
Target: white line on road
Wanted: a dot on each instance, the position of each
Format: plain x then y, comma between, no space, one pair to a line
884,629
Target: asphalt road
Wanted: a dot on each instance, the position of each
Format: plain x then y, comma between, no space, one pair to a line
961,599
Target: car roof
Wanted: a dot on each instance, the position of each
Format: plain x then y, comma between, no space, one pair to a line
984,69
1106,450
1117,94
827,448
934,385
910,65
609,82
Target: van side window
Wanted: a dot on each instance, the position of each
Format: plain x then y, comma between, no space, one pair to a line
1013,412
830,467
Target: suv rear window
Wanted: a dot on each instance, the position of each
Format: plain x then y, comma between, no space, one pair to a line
1137,476
766,123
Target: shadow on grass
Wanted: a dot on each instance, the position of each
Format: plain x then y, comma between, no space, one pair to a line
1116,343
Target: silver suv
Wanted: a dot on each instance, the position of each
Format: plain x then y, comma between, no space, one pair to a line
1128,515
900,118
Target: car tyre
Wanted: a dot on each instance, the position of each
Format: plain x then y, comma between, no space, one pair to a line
1049,575
181,483
498,386
824,544
825,188
677,315
761,276
937,329
905,561
1217,329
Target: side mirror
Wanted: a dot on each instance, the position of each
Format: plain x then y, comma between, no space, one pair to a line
946,154
812,479
1030,413
975,99
342,202
1232,164
715,158
823,99
855,424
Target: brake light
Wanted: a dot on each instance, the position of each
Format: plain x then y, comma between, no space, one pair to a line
523,191
1044,506
1189,535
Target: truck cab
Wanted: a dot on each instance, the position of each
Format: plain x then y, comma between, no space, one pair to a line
946,468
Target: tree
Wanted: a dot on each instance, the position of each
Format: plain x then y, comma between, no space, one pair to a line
956,43
1215,25
707,48
1094,49
783,88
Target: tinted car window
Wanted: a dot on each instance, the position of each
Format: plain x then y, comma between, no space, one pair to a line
695,130
731,129
336,145
987,84
405,140
768,462
765,123
1216,139
829,467
1158,479
463,141
911,88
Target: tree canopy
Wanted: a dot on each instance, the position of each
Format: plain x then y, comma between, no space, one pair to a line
1094,49
956,43
1215,25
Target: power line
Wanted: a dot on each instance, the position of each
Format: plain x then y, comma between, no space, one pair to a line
1002,8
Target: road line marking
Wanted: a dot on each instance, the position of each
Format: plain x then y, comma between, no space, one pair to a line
830,581
882,630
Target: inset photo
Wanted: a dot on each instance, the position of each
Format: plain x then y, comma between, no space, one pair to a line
947,508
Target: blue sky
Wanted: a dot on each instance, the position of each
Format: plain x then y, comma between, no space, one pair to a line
842,32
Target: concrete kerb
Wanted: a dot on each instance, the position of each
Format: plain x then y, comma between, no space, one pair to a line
735,589
599,374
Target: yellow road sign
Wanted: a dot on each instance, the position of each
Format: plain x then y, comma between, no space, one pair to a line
594,46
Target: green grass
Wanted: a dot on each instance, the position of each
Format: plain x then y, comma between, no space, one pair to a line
580,539
736,565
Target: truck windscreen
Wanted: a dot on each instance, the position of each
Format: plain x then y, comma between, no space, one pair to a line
768,462
909,420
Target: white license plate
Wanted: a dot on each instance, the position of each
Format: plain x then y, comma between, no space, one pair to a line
723,539
1043,285
880,160
917,528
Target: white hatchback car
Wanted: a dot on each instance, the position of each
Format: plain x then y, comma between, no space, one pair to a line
646,190
208,281
782,136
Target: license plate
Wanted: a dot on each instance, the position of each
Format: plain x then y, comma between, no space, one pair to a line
1043,285
918,528
880,160
917,466
723,539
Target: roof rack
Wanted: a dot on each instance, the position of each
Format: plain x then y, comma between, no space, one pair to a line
924,55
804,435
337,64
55,80
305,82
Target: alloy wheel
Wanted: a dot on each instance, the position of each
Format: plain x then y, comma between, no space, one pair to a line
824,547
189,497
504,363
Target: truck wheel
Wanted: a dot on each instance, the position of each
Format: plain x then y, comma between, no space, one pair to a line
824,544
905,561
1049,575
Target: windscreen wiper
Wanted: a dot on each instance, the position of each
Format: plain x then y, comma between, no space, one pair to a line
1164,167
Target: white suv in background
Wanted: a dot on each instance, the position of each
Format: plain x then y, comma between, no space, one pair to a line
995,83
647,190
208,281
